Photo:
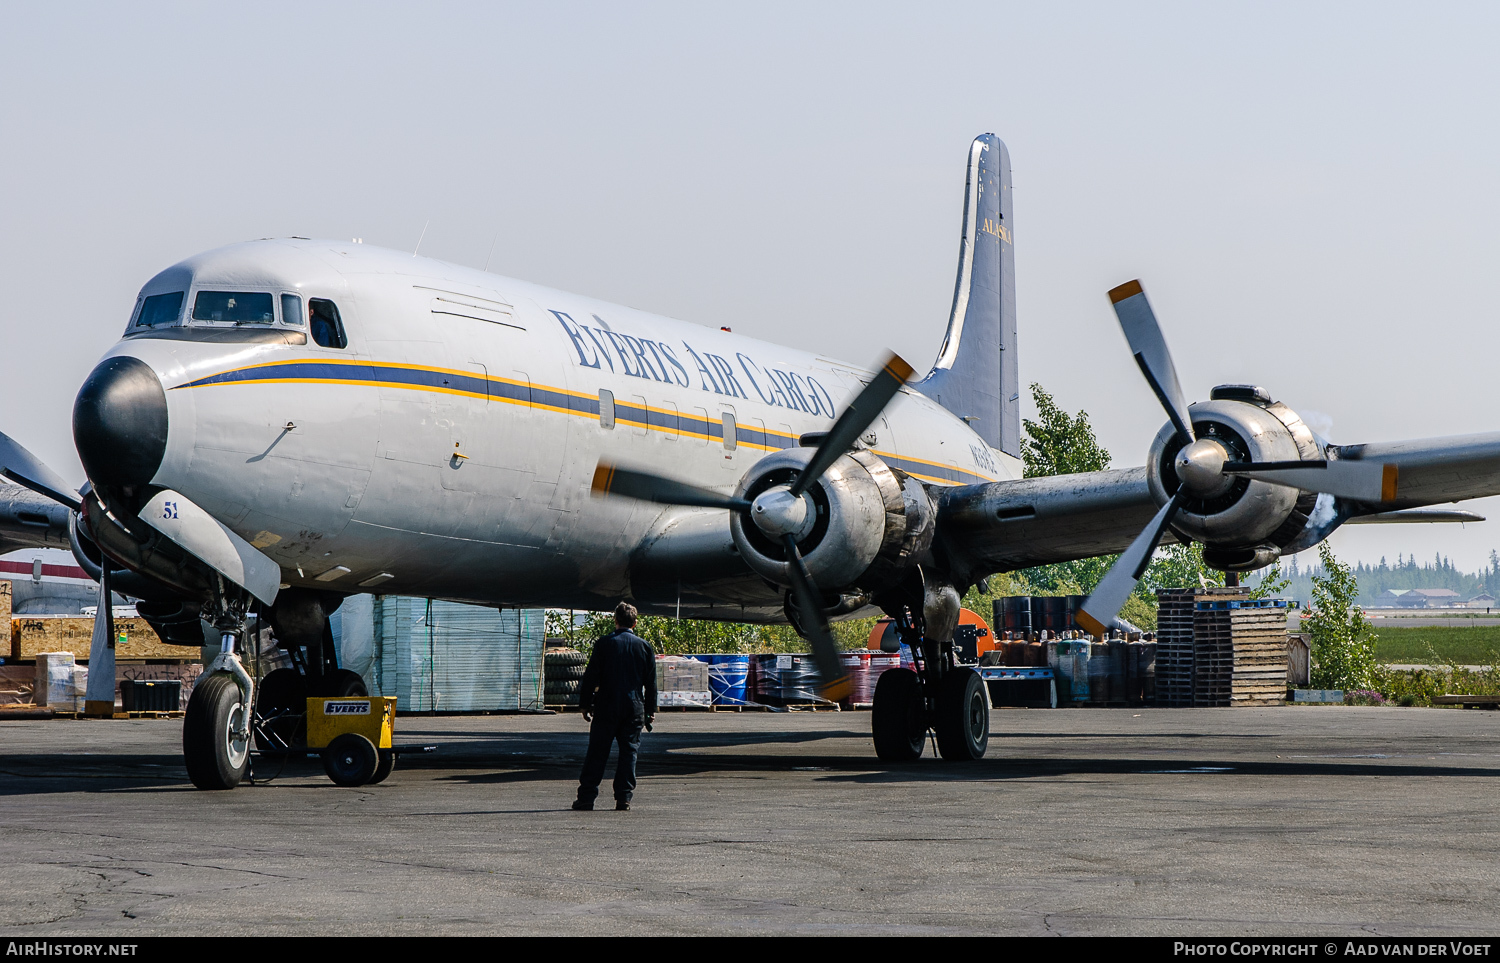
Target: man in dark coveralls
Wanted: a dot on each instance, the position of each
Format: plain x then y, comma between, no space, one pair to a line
618,697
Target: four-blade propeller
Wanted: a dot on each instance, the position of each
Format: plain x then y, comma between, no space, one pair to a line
1203,464
781,511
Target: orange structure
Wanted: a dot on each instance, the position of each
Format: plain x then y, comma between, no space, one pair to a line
985,639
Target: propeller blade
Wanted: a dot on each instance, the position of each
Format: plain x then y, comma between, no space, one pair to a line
24,468
1103,605
100,697
627,483
836,685
1144,336
860,414
211,541
1360,481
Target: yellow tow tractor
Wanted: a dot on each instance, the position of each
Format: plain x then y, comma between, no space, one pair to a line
353,734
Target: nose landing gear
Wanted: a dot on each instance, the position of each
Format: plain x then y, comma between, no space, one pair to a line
216,726
220,727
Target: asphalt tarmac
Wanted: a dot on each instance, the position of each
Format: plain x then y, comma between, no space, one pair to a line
1224,822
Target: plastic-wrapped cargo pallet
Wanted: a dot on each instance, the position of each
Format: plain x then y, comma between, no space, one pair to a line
788,680
60,681
728,678
682,681
436,656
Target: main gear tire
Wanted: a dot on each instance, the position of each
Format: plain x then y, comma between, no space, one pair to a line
963,716
898,718
216,734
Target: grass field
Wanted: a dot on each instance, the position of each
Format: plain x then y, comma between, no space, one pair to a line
1474,645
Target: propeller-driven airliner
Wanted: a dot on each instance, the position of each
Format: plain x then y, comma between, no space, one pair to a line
288,422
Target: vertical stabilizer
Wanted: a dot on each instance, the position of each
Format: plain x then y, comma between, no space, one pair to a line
976,376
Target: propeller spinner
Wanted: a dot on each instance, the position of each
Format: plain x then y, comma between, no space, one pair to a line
784,513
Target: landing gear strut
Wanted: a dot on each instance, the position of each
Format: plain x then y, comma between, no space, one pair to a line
940,695
216,728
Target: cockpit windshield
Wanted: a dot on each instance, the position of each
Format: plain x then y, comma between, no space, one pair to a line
236,317
160,309
239,307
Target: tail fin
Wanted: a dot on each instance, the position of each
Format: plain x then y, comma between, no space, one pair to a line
976,375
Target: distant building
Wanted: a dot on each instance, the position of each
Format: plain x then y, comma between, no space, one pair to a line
1483,600
1421,598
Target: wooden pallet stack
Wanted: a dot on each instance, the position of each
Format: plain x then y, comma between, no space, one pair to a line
1219,647
1244,645
1175,655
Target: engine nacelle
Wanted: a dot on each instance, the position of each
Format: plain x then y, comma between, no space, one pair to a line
1243,523
871,523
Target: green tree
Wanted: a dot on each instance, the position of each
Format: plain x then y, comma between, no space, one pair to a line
1059,444
1343,643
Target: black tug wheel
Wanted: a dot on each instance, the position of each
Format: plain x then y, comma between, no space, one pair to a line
215,734
383,769
281,699
351,760
898,717
963,716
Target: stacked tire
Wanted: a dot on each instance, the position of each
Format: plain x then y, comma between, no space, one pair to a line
562,672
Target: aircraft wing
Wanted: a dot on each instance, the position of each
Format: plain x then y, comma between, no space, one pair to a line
1003,526
29,520
1431,471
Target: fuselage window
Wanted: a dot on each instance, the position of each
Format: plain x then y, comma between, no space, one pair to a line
606,408
291,310
327,328
731,439
239,307
161,309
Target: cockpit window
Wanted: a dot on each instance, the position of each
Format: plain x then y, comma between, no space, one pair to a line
240,307
327,328
160,309
291,310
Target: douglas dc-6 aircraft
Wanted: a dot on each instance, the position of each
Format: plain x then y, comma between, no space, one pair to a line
288,422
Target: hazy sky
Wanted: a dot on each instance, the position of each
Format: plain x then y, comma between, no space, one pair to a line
1306,190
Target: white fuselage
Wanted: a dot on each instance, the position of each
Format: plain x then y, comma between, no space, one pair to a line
448,450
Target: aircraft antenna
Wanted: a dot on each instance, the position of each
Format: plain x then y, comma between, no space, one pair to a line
492,250
419,238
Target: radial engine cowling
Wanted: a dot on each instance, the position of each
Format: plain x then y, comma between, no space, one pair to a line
1242,523
869,525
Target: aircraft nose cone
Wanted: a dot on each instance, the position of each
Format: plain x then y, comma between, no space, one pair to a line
120,423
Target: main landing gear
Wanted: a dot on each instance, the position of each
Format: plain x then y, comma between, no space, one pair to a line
220,728
949,699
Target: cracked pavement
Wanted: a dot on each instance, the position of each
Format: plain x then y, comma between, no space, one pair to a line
1227,822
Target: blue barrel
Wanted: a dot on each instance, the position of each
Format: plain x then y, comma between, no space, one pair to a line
729,678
